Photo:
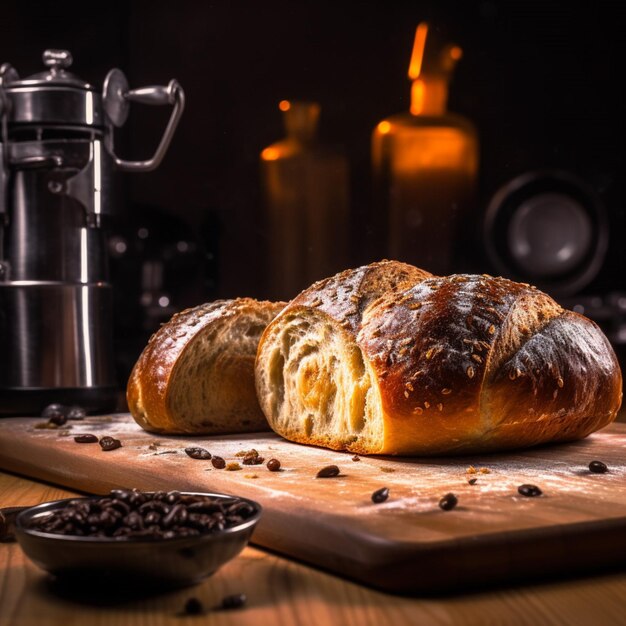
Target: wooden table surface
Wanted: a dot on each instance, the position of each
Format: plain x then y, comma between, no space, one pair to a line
282,592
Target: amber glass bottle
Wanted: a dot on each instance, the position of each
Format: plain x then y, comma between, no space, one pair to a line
425,163
306,193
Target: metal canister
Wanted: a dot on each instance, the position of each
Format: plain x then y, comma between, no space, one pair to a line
57,162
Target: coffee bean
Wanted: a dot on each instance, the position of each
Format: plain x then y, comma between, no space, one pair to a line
198,453
218,462
380,495
252,458
356,457
58,420
134,521
241,508
75,413
178,515
120,506
152,517
136,499
330,471
598,467
472,481
530,491
235,601
121,494
172,497
110,443
273,465
53,410
193,606
448,502
86,438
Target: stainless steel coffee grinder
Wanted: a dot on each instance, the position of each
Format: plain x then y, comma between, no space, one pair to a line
57,160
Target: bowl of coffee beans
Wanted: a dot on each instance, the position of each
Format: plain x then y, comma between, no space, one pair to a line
172,538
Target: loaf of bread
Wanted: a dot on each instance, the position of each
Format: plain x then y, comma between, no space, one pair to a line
196,375
444,365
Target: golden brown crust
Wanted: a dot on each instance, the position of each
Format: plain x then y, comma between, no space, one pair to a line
451,354
345,296
462,363
149,389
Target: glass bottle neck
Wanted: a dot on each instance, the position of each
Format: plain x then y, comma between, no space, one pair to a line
429,96
301,120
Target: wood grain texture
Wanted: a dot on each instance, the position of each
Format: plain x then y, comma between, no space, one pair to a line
406,544
286,593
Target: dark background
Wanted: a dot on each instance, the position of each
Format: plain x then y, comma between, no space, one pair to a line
542,81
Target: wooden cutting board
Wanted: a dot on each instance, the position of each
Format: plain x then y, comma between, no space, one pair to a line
406,544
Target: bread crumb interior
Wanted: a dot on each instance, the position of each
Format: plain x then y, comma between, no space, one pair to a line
315,385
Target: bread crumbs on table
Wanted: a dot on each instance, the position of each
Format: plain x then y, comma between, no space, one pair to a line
484,470
471,470
386,469
232,467
251,475
251,452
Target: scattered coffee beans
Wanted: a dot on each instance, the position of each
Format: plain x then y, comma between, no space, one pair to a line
472,481
198,453
58,414
598,467
136,514
330,471
236,601
448,502
86,438
530,491
273,465
218,462
110,443
380,495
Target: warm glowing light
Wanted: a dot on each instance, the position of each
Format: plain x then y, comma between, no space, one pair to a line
428,96
415,67
418,97
384,127
284,105
456,53
446,153
270,154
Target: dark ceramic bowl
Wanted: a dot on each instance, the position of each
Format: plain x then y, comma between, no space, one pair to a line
146,561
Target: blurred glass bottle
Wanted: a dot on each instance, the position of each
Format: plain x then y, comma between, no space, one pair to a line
425,162
306,194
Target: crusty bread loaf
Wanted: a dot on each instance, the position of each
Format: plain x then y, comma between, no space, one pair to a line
456,364
196,375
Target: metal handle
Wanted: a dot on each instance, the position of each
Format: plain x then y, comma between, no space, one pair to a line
157,95
37,163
